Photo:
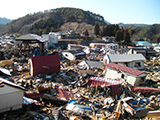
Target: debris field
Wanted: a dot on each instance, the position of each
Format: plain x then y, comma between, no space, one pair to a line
76,93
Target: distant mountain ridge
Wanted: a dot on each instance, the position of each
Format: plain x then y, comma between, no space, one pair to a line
4,20
126,25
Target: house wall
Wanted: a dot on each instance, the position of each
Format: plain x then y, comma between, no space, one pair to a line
132,80
114,74
138,81
111,73
11,98
68,55
136,64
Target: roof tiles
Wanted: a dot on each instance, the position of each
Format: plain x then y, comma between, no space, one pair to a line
125,69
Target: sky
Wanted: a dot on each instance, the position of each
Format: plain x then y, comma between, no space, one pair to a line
114,11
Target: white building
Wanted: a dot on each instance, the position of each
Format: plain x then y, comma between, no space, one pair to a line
129,60
51,39
11,96
113,46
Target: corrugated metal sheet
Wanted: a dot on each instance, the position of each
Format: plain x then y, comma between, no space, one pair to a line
44,64
98,81
62,93
144,89
106,82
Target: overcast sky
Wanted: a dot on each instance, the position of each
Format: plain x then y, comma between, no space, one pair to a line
114,11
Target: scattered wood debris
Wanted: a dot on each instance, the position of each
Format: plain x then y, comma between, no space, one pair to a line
76,93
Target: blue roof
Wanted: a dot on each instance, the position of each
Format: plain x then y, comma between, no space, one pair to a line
142,42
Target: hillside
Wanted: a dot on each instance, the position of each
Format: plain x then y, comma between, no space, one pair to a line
78,27
4,21
1,26
151,32
51,20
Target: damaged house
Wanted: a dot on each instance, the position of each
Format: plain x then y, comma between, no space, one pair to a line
73,54
26,42
147,52
133,76
11,96
129,60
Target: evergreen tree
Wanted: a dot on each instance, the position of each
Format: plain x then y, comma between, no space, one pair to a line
116,29
131,31
47,30
102,31
118,36
126,37
122,34
86,33
40,32
96,29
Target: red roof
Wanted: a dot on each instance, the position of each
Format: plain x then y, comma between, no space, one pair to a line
125,69
62,93
144,89
34,95
106,82
45,64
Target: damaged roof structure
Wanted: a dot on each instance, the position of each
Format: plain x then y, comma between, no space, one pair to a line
133,76
24,42
11,96
73,54
91,64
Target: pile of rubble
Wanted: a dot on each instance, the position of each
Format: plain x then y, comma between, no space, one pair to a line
153,68
75,94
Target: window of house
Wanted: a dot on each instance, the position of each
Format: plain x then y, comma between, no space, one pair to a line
137,64
66,55
122,76
127,64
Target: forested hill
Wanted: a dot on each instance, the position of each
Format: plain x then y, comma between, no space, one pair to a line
1,26
151,32
51,20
